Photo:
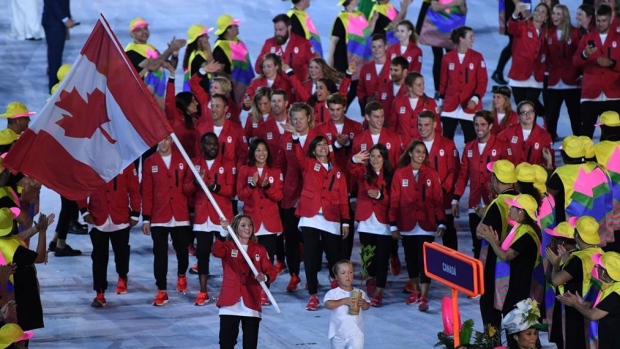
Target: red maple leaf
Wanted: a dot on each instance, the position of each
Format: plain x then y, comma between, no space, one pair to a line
84,116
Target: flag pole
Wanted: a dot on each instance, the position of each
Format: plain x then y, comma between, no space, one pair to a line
203,185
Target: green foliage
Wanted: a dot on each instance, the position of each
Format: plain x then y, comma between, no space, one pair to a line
490,338
367,253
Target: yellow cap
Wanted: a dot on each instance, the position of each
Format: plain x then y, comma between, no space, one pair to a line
137,22
504,170
611,263
587,228
540,181
7,215
63,71
525,173
573,147
609,118
9,333
16,110
525,202
341,2
196,31
588,145
225,21
562,230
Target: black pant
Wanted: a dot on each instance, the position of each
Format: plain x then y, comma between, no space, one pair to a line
312,253
347,243
181,237
55,36
269,242
229,330
421,16
506,53
449,126
378,267
68,213
489,314
280,251
438,53
204,242
521,94
414,256
100,256
292,238
352,94
474,220
449,238
554,104
590,112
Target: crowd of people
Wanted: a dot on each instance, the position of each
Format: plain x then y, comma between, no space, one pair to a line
302,179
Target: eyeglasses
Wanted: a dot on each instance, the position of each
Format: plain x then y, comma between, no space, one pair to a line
527,112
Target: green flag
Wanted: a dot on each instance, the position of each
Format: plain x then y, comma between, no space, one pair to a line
365,6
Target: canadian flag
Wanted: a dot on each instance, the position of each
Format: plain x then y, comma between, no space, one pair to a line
99,121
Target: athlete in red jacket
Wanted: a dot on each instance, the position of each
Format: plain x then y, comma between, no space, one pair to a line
407,46
389,91
374,73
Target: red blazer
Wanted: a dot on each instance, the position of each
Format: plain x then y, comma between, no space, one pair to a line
365,205
280,82
385,96
474,169
511,119
204,98
297,54
343,154
369,80
597,79
224,175
261,203
444,158
406,119
390,139
416,201
529,151
290,168
233,144
251,127
118,199
460,82
413,54
559,58
303,91
162,189
175,119
527,50
322,189
238,280
270,132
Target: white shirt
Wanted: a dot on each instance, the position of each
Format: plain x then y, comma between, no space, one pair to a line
379,68
461,57
481,147
413,102
269,82
396,89
403,49
217,130
340,322
167,160
500,117
375,138
429,145
526,134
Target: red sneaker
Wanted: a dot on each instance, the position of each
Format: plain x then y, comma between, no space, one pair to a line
264,300
395,266
293,283
377,300
423,306
280,267
191,249
408,287
371,286
182,283
99,301
194,269
313,303
202,299
161,298
413,298
121,286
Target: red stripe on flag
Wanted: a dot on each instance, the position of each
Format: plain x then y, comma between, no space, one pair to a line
40,154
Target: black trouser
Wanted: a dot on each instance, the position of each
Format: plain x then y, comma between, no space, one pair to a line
449,126
204,242
379,264
347,243
505,55
280,251
590,112
352,94
68,213
229,330
474,220
269,241
489,314
414,256
421,16
554,104
181,237
292,238
438,53
531,94
55,36
312,251
449,238
100,256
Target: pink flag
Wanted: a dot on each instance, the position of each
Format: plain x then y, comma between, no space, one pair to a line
100,120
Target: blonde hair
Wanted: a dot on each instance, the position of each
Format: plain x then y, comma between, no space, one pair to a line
225,84
567,26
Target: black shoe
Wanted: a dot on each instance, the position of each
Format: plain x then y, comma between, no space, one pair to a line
67,251
77,228
498,77
52,246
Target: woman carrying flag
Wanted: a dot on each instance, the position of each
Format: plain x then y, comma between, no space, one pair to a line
384,17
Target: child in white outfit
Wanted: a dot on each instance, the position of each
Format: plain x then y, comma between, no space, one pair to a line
345,331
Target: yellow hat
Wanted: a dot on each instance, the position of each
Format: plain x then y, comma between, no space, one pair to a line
525,202
588,145
611,262
137,22
504,170
196,31
341,2
525,173
7,215
225,21
609,118
16,110
573,147
562,230
540,181
9,333
63,71
587,228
